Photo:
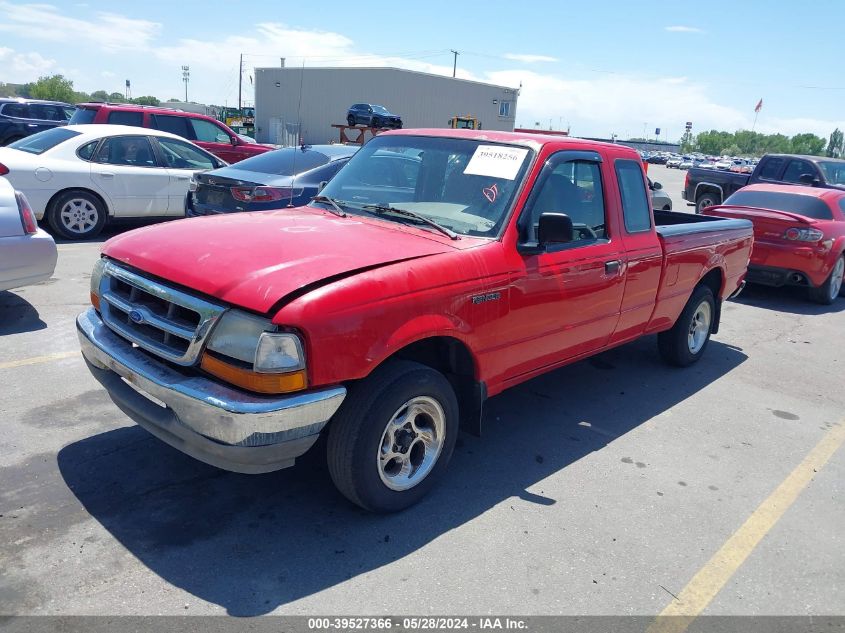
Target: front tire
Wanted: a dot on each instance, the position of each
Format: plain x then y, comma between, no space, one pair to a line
77,215
375,122
705,200
685,343
350,120
393,437
832,287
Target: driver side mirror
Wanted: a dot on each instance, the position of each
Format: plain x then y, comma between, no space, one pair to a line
322,185
555,228
656,186
809,179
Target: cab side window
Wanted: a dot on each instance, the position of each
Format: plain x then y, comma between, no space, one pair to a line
573,188
635,207
208,132
796,169
771,168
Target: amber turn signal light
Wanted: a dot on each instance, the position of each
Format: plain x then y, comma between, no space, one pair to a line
253,381
95,301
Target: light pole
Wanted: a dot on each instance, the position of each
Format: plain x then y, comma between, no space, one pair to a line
186,76
455,63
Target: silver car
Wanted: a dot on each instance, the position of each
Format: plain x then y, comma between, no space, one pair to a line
27,254
660,200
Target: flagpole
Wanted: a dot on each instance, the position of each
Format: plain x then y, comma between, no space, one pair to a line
756,114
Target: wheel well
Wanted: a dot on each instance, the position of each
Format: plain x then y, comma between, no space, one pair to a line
69,189
714,280
454,360
707,189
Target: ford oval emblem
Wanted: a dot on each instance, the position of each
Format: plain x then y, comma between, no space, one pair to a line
136,317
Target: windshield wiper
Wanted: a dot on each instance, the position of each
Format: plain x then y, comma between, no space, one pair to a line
335,206
382,209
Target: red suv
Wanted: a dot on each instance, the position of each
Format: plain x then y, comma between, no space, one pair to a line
208,133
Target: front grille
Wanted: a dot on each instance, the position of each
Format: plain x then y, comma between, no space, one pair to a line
162,320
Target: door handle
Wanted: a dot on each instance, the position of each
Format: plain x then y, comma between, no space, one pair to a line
612,267
180,177
106,174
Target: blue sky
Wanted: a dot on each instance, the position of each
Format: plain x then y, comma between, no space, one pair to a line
600,67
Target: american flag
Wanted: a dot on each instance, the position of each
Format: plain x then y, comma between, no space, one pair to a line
759,106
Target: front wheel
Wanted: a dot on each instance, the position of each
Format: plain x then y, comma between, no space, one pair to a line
350,120
375,122
832,286
393,436
685,343
705,200
77,215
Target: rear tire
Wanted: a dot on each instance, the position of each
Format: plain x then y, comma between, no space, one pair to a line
77,215
685,343
404,410
707,199
832,287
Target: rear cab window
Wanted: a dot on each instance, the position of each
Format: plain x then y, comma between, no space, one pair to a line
177,125
82,116
16,110
126,117
43,141
208,132
635,207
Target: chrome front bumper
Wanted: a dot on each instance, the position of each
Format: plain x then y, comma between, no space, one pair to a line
216,424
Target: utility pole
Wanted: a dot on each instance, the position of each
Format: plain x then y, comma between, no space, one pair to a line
240,81
455,64
186,76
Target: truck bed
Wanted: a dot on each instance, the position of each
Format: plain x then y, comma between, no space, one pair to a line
677,223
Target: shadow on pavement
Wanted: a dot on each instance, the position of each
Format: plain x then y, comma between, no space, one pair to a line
114,227
790,299
253,543
18,315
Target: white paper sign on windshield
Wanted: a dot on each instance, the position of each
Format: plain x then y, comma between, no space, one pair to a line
496,161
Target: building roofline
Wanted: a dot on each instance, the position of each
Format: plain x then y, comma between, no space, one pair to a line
404,70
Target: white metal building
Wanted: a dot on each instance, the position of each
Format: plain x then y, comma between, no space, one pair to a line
421,99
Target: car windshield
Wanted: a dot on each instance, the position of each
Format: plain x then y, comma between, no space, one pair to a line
465,185
41,142
808,206
380,109
284,162
834,173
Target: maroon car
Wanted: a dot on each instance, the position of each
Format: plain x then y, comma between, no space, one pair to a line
208,133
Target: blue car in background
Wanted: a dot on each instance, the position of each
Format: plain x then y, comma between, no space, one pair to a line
372,115
274,180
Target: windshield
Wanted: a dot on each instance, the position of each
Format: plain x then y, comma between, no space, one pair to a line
41,142
834,173
380,109
464,185
808,206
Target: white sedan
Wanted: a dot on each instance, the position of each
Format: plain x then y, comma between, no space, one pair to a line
27,254
79,176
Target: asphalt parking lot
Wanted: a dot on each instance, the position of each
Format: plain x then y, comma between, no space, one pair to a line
610,487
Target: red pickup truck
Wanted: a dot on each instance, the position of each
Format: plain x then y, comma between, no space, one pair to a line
385,312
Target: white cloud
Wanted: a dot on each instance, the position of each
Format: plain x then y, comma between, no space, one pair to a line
529,59
107,74
683,29
106,31
24,67
622,104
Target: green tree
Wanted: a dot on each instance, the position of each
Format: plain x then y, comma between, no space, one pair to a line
146,100
99,95
116,97
835,144
807,144
54,88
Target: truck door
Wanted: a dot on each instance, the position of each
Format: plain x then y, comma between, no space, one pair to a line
644,259
565,300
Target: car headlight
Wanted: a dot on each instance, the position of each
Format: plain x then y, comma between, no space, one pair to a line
96,278
247,351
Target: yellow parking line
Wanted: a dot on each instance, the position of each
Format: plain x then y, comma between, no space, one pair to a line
710,579
37,359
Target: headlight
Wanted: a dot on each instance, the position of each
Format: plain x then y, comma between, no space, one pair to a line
96,278
279,353
236,335
246,351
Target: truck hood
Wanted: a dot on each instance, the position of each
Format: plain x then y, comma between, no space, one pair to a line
254,260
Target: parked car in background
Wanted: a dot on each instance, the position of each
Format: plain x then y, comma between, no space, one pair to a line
659,198
709,188
674,162
686,163
383,316
204,131
799,236
79,176
723,164
22,117
657,159
373,116
27,254
284,177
